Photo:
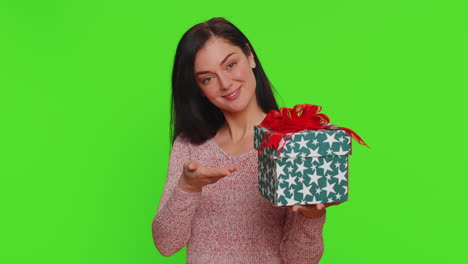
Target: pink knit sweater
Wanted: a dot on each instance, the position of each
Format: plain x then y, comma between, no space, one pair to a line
229,222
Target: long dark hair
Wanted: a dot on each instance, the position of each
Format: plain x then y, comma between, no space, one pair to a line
192,115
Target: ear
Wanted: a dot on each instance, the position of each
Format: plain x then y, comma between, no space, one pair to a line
251,58
252,61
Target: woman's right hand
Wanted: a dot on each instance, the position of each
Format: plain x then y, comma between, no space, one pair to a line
195,176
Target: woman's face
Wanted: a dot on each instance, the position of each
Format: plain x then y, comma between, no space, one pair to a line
224,74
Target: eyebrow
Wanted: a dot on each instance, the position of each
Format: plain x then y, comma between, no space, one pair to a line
221,63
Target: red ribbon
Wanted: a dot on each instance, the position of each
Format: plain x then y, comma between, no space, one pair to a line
302,117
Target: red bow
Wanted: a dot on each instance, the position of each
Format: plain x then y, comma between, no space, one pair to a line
302,117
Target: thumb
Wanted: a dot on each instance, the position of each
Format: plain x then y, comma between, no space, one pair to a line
191,165
233,169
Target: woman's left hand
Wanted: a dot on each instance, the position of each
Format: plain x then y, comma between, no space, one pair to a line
312,210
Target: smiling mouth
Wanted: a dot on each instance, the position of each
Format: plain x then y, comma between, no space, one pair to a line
233,95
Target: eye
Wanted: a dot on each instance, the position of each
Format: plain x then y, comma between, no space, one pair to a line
206,79
231,65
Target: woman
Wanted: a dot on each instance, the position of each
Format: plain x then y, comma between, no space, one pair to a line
210,202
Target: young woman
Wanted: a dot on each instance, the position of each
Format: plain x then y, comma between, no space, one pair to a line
210,202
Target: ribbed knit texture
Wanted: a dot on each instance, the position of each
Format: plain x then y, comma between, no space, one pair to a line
229,221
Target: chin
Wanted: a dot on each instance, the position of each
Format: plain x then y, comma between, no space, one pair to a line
237,107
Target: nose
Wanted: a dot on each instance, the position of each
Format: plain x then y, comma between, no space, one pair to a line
224,82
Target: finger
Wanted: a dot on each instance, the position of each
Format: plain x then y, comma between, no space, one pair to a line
217,172
192,166
296,208
186,163
320,206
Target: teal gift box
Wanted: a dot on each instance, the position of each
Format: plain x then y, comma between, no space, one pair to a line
311,168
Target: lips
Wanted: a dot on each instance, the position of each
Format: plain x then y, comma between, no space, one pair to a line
233,95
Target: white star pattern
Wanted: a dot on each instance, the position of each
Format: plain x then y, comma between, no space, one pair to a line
303,143
315,141
290,201
305,190
337,164
330,139
280,169
330,152
314,201
301,168
314,178
316,160
291,180
293,154
341,151
329,188
340,176
280,192
292,191
346,189
314,152
326,166
293,144
338,196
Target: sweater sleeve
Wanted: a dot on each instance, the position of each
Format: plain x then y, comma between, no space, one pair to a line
172,224
302,238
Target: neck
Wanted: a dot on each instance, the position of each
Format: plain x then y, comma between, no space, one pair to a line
240,125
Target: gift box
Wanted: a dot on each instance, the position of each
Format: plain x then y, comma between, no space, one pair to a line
311,167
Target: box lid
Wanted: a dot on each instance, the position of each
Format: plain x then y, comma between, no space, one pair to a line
308,143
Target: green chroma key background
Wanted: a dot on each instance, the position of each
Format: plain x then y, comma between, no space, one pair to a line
84,108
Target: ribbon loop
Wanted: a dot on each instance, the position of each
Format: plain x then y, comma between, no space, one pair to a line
302,117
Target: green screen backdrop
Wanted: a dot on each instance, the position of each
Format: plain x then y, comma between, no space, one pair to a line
84,111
